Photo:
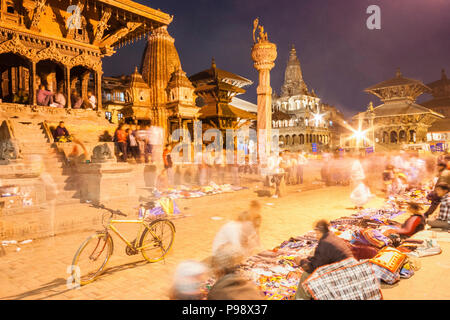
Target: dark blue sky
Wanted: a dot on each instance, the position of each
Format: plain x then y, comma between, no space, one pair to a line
338,54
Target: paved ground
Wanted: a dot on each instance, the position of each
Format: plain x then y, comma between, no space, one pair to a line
39,270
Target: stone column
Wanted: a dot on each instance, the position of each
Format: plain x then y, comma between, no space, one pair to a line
67,86
32,94
264,54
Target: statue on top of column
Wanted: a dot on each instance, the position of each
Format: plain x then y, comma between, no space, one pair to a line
262,35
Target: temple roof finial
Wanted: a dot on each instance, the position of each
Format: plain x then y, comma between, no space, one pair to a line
443,75
398,73
213,63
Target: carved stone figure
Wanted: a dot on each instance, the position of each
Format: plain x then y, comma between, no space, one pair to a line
102,153
9,150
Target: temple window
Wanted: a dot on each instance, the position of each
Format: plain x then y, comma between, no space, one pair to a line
108,115
119,116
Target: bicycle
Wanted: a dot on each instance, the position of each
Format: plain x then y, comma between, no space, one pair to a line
93,255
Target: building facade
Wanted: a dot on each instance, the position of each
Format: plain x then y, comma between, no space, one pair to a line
439,132
60,43
398,122
299,116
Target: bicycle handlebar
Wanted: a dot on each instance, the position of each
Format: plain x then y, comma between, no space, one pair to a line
113,212
120,213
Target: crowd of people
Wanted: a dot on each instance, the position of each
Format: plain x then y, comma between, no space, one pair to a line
58,99
239,239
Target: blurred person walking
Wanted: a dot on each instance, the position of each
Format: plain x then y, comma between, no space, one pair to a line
189,279
168,164
301,163
230,285
242,232
121,139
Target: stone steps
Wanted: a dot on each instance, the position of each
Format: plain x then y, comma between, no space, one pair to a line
33,141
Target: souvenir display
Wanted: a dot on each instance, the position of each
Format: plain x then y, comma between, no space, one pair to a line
367,234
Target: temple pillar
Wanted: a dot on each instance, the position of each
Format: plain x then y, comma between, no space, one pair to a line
84,84
264,54
67,86
33,89
98,89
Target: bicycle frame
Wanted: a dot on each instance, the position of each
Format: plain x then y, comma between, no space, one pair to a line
117,232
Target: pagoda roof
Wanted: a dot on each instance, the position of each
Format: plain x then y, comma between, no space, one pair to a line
402,107
140,10
437,102
243,105
398,80
225,111
280,115
216,74
441,125
444,81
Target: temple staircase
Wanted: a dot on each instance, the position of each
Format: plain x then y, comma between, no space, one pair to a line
35,145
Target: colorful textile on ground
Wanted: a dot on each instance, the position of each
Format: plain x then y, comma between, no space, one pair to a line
344,280
164,207
277,276
185,192
389,258
375,238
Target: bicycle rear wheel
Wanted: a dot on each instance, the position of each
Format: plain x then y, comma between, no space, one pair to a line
157,243
91,258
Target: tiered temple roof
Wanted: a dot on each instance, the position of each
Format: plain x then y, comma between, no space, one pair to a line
217,87
293,77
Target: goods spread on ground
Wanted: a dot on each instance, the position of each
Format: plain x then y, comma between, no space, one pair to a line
367,233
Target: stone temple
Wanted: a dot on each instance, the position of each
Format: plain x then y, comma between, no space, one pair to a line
399,120
59,44
299,116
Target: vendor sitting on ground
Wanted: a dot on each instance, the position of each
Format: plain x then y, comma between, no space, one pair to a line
414,224
443,176
61,134
443,219
330,249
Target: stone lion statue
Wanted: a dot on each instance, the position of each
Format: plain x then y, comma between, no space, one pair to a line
9,150
102,153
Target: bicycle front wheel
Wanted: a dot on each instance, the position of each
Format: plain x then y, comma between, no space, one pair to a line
91,258
157,239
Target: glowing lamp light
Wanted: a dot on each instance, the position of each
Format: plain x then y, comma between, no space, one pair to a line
318,117
359,134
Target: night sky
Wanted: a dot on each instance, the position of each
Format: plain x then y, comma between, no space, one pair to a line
339,56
